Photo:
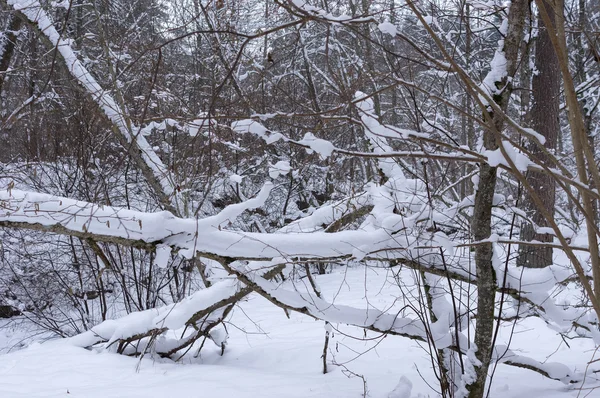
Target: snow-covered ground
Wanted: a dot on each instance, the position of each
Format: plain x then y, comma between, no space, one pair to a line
269,355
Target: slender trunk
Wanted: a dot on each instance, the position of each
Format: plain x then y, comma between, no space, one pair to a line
466,186
481,224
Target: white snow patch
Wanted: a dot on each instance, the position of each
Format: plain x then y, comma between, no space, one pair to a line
236,178
163,254
280,168
389,28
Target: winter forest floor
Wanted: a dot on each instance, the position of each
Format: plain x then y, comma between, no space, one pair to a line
269,355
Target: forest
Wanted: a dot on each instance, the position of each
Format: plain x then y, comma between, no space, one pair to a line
407,188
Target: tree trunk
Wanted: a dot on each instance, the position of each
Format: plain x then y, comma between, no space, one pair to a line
544,118
7,46
481,224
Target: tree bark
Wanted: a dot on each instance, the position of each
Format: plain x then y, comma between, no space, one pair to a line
7,46
544,118
481,224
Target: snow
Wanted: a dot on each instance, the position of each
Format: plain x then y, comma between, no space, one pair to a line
132,134
287,361
249,126
322,147
535,134
326,214
429,19
163,254
374,129
172,317
326,311
202,123
61,4
402,389
315,11
492,83
389,28
496,74
496,157
160,126
236,178
554,369
273,356
253,127
190,235
280,168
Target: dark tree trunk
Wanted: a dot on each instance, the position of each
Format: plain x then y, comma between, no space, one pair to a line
544,119
7,46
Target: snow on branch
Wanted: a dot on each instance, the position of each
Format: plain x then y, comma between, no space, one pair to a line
326,148
329,214
209,237
208,307
381,151
187,235
378,321
33,12
302,8
199,313
552,370
311,305
170,317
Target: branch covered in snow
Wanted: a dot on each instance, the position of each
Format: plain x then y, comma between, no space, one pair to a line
207,236
199,313
301,8
325,148
142,152
311,305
